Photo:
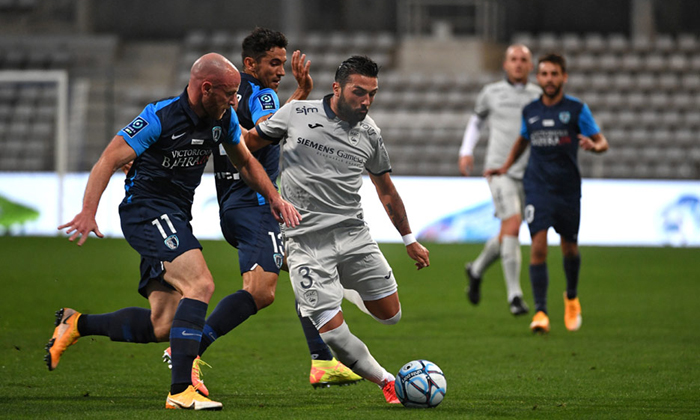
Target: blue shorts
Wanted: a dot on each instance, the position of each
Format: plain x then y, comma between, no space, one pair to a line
256,235
543,211
159,231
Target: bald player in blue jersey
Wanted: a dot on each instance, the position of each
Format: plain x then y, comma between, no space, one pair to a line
169,143
246,221
555,126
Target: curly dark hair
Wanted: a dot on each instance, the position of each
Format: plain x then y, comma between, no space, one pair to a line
553,58
260,41
357,64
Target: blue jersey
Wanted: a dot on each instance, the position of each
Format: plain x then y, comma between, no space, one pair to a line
553,135
254,102
173,146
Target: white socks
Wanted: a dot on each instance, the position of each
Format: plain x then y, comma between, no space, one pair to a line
511,260
490,253
353,353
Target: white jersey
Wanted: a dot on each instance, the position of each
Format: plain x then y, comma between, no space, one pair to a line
502,103
323,159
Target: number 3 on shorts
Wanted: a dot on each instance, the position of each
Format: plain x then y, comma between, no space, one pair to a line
308,281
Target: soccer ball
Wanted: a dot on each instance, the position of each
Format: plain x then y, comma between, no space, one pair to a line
420,384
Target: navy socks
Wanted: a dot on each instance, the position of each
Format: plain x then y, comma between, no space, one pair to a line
572,266
132,325
539,278
228,314
185,336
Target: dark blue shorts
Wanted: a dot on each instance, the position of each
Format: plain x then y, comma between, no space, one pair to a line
256,235
159,231
560,212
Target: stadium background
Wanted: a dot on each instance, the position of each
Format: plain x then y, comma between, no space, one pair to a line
637,64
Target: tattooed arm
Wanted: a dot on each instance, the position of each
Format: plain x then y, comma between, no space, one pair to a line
391,200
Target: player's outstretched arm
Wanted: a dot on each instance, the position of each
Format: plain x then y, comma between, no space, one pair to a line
597,143
117,154
518,148
255,176
300,70
393,204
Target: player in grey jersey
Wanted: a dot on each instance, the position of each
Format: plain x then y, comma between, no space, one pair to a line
326,146
502,103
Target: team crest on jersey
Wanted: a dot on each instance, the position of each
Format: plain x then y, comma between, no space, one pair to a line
135,126
565,117
279,259
267,102
354,136
172,242
216,133
311,296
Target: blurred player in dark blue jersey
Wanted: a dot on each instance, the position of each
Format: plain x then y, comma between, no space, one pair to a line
555,126
169,143
246,221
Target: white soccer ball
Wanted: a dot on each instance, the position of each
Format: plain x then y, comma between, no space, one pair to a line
420,384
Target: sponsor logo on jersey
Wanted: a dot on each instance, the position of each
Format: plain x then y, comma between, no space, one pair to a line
533,120
134,127
547,123
216,133
172,242
177,136
351,158
186,158
315,125
306,110
565,117
197,142
543,138
370,131
316,146
266,102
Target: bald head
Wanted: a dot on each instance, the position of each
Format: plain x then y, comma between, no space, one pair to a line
517,63
213,67
213,85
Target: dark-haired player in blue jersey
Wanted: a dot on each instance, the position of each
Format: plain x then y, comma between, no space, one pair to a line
555,126
170,143
246,221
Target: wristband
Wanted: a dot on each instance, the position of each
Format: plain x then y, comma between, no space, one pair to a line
408,239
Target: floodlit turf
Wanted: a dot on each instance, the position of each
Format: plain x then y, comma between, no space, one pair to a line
636,355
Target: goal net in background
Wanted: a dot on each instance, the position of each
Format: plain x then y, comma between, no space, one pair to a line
34,145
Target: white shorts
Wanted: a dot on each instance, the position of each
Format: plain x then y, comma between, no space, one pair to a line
323,263
508,196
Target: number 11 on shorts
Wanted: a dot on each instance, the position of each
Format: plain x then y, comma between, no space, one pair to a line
157,224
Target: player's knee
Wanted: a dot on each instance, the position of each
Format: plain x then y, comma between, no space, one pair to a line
391,321
263,297
161,328
205,289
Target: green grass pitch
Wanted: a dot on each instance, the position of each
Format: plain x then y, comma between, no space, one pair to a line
637,354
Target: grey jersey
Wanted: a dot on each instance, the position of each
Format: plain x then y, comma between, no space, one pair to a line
322,162
502,103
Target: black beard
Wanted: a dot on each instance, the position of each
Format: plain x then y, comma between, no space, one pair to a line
554,95
347,114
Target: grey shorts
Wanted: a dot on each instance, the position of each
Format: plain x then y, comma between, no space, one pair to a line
508,196
323,263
